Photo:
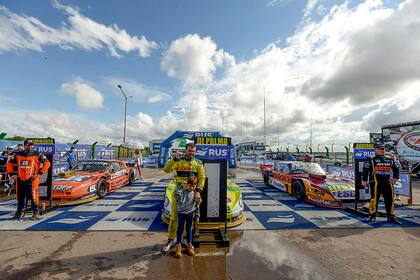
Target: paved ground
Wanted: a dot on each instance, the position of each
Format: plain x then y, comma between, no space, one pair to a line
284,254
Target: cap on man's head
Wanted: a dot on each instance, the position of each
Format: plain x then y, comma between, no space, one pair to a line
379,146
28,141
9,148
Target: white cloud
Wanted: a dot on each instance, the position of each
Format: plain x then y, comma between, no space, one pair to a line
138,91
275,2
86,96
314,76
194,60
25,32
373,59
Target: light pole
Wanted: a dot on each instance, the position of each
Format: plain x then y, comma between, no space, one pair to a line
125,111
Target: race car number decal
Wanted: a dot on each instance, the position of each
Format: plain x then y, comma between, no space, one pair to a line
92,188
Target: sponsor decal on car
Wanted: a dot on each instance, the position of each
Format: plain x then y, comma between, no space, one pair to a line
316,193
62,188
77,178
344,194
323,202
339,187
278,184
118,174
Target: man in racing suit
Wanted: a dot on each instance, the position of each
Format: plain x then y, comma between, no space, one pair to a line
26,167
378,169
184,167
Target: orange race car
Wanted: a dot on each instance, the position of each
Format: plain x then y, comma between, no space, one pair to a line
91,179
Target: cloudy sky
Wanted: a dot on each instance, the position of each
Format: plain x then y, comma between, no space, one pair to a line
347,67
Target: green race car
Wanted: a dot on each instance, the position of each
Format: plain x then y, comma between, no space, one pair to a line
235,206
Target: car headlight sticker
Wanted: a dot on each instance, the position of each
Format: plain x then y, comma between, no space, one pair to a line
241,203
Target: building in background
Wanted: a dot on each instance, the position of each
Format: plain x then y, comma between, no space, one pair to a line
250,148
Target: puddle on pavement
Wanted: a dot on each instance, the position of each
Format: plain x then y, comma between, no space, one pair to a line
251,255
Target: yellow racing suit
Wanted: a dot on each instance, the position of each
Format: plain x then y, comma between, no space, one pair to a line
184,168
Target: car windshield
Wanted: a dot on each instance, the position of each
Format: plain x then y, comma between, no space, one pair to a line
307,167
92,166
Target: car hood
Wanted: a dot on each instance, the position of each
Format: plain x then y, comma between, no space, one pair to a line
340,188
232,198
78,178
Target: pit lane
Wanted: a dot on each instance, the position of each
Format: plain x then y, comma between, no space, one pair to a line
138,207
320,253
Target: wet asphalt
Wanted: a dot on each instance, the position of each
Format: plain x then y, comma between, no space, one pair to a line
379,253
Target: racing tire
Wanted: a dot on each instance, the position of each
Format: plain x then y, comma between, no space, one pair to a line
266,179
102,189
131,178
298,190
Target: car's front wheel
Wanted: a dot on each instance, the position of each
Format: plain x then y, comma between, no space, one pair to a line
102,188
299,190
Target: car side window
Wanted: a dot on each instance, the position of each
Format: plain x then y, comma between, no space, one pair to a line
115,166
283,167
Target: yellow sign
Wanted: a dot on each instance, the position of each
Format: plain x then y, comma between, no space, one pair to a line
364,146
225,141
42,140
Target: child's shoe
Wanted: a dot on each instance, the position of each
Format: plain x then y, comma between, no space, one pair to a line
190,250
178,249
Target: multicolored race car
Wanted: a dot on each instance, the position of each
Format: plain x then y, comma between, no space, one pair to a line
91,179
307,181
235,206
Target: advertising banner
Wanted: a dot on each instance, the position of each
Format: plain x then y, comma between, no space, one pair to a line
155,147
402,187
405,140
362,151
340,171
105,152
215,152
149,160
7,143
247,161
225,141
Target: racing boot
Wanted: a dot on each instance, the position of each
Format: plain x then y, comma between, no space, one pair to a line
391,219
169,244
35,216
372,218
19,215
190,250
178,252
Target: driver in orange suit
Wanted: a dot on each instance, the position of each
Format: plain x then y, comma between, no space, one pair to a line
26,167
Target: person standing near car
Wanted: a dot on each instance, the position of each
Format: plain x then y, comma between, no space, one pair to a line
26,168
72,158
378,170
184,166
138,161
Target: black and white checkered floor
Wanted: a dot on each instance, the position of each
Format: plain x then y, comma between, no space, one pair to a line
138,207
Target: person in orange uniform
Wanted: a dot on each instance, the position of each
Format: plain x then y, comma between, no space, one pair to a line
26,167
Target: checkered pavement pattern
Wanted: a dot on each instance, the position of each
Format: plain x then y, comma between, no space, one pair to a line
139,206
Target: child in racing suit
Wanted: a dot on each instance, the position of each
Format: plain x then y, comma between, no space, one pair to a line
187,206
